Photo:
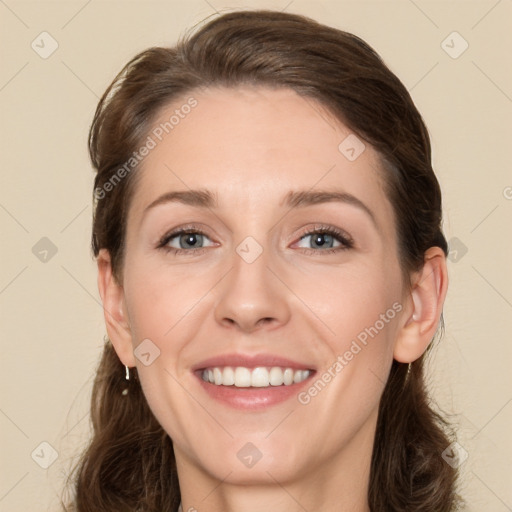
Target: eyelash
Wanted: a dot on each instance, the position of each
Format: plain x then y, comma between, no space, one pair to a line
345,239
341,236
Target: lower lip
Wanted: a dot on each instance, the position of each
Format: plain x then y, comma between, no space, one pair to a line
253,398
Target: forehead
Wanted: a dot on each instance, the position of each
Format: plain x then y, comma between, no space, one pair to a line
252,145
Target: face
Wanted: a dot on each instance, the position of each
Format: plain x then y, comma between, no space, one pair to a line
285,288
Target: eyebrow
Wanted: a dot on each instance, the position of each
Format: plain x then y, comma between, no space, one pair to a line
203,198
309,197
198,198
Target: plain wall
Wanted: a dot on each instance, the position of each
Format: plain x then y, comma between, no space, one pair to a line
52,319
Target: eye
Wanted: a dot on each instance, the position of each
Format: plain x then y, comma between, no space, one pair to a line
191,240
181,240
326,239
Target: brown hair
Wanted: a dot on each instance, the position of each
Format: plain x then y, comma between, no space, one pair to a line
129,464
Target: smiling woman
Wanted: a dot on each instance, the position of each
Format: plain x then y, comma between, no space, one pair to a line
272,272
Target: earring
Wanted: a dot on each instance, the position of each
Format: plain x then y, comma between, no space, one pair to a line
127,377
407,375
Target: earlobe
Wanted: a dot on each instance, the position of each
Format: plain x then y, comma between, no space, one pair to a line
425,307
114,308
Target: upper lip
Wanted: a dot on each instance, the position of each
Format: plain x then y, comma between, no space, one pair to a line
250,361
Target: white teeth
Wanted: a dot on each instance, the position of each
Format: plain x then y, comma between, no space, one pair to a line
288,376
242,377
260,377
276,376
228,376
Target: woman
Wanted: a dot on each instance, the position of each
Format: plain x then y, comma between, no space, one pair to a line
273,271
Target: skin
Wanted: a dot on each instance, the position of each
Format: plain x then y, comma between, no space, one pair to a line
251,146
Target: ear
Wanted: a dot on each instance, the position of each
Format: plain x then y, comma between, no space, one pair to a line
424,308
114,309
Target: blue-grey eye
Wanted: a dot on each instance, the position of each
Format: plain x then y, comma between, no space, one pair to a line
185,240
320,241
190,240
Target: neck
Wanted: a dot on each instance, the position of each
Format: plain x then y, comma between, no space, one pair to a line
338,483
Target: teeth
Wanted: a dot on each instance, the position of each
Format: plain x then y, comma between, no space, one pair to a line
242,377
276,376
228,376
261,377
288,376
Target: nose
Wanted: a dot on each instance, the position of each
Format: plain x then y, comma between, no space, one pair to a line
252,296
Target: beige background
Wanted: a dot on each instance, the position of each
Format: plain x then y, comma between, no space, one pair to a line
52,321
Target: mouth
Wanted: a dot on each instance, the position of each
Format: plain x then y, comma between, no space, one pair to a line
252,382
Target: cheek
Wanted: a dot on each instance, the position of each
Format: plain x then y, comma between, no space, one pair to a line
348,301
161,301
358,313
363,313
